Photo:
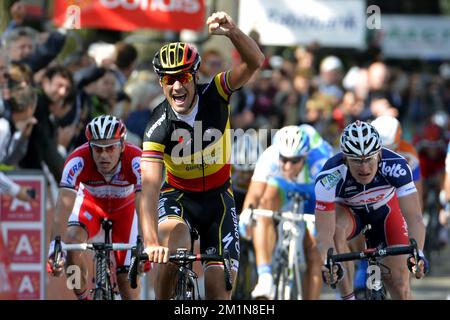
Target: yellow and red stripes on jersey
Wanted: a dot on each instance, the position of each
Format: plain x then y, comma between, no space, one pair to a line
222,81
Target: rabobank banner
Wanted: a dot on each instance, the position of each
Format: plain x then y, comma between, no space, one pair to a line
331,23
412,36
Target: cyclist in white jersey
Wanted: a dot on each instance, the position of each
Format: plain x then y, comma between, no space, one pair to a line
367,184
290,164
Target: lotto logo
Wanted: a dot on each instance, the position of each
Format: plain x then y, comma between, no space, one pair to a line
395,170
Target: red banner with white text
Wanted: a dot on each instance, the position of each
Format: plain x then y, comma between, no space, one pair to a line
129,15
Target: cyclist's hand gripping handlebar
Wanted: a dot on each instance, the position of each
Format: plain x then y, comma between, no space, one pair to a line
332,272
417,263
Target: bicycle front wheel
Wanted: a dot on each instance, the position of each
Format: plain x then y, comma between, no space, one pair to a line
186,287
376,294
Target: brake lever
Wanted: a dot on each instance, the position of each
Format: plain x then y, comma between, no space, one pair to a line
330,265
57,252
415,255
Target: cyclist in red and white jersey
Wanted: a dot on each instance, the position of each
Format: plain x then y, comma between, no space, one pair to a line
101,179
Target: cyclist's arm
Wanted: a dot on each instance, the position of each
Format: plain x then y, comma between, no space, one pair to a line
64,206
419,186
221,23
410,207
137,204
254,194
325,227
148,214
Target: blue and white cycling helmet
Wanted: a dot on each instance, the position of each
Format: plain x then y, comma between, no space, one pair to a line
292,142
360,139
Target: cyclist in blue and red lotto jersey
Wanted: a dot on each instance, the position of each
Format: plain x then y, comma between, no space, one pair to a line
290,164
367,184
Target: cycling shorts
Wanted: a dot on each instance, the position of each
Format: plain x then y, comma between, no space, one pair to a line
388,226
212,214
88,214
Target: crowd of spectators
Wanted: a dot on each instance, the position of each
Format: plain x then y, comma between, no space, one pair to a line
296,85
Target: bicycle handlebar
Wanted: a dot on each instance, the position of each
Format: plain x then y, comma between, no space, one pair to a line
180,258
371,253
97,246
283,215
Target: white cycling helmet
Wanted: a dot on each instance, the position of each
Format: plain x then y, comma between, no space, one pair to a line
245,152
389,129
292,141
360,139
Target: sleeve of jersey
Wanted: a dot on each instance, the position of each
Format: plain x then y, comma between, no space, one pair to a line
136,166
400,176
325,189
222,83
154,141
416,173
72,169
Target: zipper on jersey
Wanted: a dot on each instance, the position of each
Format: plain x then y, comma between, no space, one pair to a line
364,191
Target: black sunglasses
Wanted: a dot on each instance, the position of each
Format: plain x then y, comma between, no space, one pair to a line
293,160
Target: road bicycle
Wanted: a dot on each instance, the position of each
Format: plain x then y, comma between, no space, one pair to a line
104,279
187,280
289,260
375,289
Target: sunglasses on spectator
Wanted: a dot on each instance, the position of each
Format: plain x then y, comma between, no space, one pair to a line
109,148
361,161
183,78
293,160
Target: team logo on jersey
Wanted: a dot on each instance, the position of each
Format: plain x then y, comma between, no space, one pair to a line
155,125
72,170
396,170
330,180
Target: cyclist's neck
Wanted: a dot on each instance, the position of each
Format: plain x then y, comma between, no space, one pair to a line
108,176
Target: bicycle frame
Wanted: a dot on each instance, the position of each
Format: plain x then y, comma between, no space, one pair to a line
289,257
104,288
187,286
